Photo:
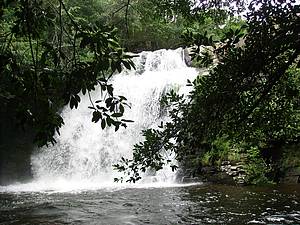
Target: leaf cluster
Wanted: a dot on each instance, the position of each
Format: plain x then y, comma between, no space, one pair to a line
49,58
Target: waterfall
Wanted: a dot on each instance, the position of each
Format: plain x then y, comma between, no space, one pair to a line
84,153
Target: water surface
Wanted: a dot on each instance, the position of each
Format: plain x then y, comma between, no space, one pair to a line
198,204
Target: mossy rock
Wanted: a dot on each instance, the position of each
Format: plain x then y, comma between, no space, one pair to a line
295,171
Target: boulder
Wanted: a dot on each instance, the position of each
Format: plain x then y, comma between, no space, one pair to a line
292,176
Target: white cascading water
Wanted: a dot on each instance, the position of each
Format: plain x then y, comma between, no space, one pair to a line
84,153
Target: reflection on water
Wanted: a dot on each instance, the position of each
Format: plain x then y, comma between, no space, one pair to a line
202,204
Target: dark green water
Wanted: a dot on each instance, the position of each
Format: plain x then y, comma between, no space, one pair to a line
202,204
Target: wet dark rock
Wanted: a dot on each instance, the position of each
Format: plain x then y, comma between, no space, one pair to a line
293,172
127,204
225,174
191,180
16,147
292,176
220,178
209,170
187,57
232,173
291,180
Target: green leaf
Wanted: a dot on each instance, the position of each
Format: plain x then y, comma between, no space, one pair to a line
117,115
119,67
121,107
103,124
110,90
96,116
127,121
126,64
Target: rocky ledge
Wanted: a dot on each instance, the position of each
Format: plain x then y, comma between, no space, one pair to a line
227,173
232,173
291,176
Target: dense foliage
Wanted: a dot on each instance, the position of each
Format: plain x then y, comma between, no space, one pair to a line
48,57
151,24
51,51
250,99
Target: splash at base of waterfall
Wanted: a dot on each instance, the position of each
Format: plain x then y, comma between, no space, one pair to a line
64,185
84,153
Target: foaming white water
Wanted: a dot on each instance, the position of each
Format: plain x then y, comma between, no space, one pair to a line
84,153
64,185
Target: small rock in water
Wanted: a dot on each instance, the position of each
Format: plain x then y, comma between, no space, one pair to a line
256,222
127,204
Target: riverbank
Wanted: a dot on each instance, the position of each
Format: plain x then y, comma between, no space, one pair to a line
222,168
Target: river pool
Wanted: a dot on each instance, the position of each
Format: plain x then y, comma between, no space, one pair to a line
195,204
